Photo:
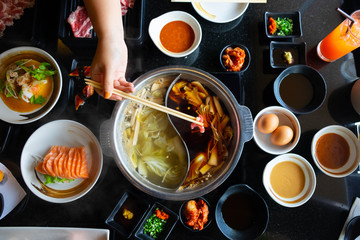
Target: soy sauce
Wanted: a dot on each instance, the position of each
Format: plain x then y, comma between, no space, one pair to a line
238,211
296,90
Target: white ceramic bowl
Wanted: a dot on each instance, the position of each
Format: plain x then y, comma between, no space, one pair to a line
354,157
62,133
10,116
310,180
286,117
158,23
220,12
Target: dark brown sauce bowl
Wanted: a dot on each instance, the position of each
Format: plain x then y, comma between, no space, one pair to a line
317,82
254,225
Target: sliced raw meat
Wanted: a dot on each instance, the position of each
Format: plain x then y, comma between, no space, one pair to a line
80,23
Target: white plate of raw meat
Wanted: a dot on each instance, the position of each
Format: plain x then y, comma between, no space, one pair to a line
65,133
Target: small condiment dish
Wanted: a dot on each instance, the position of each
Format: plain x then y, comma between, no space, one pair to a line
352,162
242,213
305,185
286,118
120,221
295,16
246,60
157,24
300,88
168,227
183,217
277,50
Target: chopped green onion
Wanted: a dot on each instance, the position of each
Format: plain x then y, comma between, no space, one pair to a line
154,226
284,26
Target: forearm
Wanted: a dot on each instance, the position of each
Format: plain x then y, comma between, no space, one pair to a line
106,18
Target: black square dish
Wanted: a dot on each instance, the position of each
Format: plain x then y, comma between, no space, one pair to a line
133,22
117,221
169,225
278,50
296,18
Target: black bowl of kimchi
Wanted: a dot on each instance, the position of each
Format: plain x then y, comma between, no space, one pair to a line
235,58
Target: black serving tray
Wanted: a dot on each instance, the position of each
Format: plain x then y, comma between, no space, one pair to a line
133,22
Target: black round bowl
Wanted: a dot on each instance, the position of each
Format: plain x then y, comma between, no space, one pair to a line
247,56
352,230
318,84
258,220
183,218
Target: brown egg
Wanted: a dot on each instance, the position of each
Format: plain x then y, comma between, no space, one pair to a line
267,123
282,136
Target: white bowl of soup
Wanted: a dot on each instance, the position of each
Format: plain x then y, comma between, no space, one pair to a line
289,179
176,33
335,150
30,84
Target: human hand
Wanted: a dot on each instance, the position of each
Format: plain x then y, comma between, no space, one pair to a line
109,67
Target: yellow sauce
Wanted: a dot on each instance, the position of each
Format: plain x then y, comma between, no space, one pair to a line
287,179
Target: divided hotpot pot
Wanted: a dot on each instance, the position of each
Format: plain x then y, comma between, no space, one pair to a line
241,120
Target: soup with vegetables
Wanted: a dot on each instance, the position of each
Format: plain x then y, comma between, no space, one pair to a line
155,150
26,82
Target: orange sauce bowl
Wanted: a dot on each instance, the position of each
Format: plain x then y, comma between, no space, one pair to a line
176,34
335,150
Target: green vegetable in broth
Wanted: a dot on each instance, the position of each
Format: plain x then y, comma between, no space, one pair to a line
155,150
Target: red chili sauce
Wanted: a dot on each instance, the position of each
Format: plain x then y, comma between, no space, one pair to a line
332,150
177,36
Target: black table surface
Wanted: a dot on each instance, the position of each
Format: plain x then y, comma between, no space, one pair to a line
322,217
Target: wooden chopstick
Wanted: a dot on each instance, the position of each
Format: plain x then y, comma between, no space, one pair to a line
147,103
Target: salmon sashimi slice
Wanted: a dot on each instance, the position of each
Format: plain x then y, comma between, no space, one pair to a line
50,155
64,162
74,164
84,169
40,168
49,163
55,164
78,163
60,163
69,164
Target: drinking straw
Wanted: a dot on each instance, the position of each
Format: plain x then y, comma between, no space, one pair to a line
352,20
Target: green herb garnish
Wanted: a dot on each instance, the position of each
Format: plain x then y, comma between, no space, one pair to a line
284,26
37,100
154,226
40,73
51,179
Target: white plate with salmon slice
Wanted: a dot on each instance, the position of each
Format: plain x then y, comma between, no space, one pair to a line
61,161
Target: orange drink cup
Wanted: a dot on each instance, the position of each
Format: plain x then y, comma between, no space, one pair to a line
342,40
